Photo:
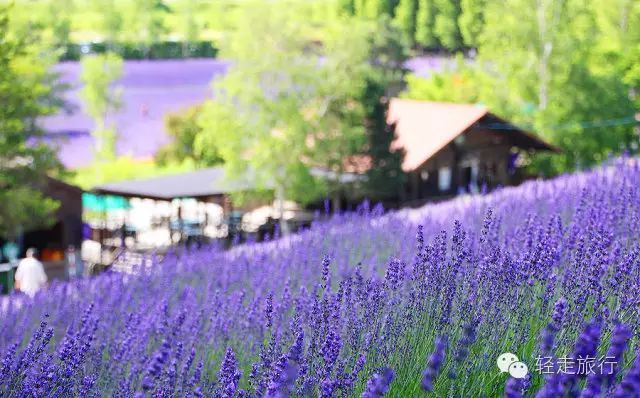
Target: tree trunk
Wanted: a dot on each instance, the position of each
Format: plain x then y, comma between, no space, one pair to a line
284,227
185,48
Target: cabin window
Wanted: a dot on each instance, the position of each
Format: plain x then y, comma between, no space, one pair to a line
444,179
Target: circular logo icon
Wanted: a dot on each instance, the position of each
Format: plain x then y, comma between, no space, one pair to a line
505,360
518,370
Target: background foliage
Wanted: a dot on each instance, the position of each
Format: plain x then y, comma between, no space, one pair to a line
288,105
27,90
555,67
99,73
566,70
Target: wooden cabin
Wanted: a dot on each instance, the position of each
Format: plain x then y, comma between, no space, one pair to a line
453,148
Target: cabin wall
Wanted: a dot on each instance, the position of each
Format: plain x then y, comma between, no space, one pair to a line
67,230
477,159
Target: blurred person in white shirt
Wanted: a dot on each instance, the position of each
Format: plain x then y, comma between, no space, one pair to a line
30,276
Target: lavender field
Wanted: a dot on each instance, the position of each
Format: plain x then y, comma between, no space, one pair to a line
408,304
150,90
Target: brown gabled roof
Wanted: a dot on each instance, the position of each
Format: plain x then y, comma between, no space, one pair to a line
423,128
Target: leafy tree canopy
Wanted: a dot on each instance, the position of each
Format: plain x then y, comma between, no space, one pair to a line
99,72
26,91
289,105
184,127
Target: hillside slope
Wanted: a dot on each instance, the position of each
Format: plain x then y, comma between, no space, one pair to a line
320,312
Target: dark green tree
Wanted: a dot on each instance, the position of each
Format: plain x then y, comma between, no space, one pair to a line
302,108
632,75
26,92
346,7
446,23
57,25
425,24
471,20
189,25
377,8
111,23
405,20
384,177
148,18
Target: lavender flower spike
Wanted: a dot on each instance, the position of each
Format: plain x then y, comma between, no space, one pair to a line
513,388
597,380
630,384
379,384
229,375
435,363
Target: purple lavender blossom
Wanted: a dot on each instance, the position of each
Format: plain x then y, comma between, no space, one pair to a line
378,384
155,366
630,384
513,388
229,375
434,364
586,346
284,383
331,350
559,310
268,311
326,277
599,379
394,275
462,348
549,332
327,388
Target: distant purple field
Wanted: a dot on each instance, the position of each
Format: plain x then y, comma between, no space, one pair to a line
151,89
